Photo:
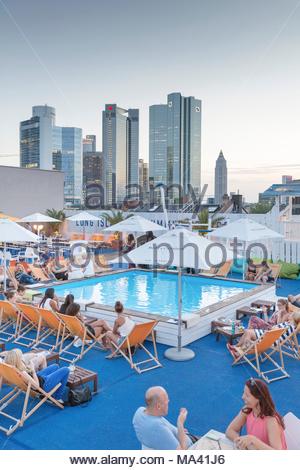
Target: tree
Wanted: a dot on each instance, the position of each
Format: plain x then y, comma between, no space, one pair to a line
261,207
59,215
203,219
115,217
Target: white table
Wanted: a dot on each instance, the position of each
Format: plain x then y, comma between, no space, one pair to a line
213,440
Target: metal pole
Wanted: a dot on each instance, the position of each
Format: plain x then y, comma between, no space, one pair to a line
179,307
4,261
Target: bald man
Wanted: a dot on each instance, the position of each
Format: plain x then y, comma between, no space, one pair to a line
153,430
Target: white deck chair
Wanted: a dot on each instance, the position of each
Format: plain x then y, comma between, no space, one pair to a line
292,431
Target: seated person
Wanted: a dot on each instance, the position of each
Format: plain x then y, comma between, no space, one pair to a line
44,257
47,378
50,300
264,274
280,315
294,300
23,277
264,425
69,299
56,271
130,244
121,329
249,336
251,270
75,270
153,430
21,290
37,358
96,327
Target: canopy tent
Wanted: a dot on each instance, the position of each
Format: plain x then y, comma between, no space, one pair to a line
247,231
135,224
9,217
12,232
184,249
83,216
37,218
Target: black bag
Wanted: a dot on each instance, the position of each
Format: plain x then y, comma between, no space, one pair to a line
79,395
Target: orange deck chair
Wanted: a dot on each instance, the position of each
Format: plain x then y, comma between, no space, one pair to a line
55,328
259,352
14,378
32,321
9,321
136,339
74,326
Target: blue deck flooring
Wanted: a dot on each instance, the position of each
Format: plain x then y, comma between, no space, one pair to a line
208,386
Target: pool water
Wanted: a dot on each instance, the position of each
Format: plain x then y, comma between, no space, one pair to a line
153,292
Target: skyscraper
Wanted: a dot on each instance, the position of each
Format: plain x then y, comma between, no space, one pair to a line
143,176
120,136
220,178
175,144
36,138
67,157
89,144
158,115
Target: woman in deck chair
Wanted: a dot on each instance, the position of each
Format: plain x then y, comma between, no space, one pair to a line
46,378
289,324
121,329
251,270
96,327
264,425
264,274
280,315
50,300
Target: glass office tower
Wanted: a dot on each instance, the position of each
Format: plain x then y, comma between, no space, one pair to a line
120,135
158,143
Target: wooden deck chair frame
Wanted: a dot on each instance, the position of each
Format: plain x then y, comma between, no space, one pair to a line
9,318
136,339
30,320
73,326
289,345
39,273
276,268
54,327
11,277
222,271
258,355
14,379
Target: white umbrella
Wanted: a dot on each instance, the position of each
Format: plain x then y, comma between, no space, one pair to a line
12,232
181,248
245,230
37,217
135,224
83,217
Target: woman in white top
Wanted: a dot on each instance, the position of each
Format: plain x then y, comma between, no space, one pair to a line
50,300
122,327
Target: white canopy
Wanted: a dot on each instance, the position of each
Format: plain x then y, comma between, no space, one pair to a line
12,232
135,224
37,217
83,216
179,247
246,230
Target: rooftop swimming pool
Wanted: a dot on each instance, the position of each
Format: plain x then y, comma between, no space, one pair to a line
155,293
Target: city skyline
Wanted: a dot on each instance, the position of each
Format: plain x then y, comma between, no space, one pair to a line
249,88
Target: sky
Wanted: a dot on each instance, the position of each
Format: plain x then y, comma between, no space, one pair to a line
240,58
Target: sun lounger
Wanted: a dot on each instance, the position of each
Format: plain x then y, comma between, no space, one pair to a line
55,327
74,326
39,273
31,321
13,378
222,271
289,344
259,352
9,321
136,339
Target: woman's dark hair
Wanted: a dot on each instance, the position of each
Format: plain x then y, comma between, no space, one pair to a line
264,263
69,299
284,302
49,294
119,307
9,294
260,391
73,310
149,236
130,237
21,288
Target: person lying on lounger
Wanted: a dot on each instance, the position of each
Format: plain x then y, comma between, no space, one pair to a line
23,277
264,425
251,335
280,315
294,300
46,378
251,270
264,274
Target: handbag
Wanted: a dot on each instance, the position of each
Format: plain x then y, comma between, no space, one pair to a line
79,395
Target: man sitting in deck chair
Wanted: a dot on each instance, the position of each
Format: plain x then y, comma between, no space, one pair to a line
153,430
